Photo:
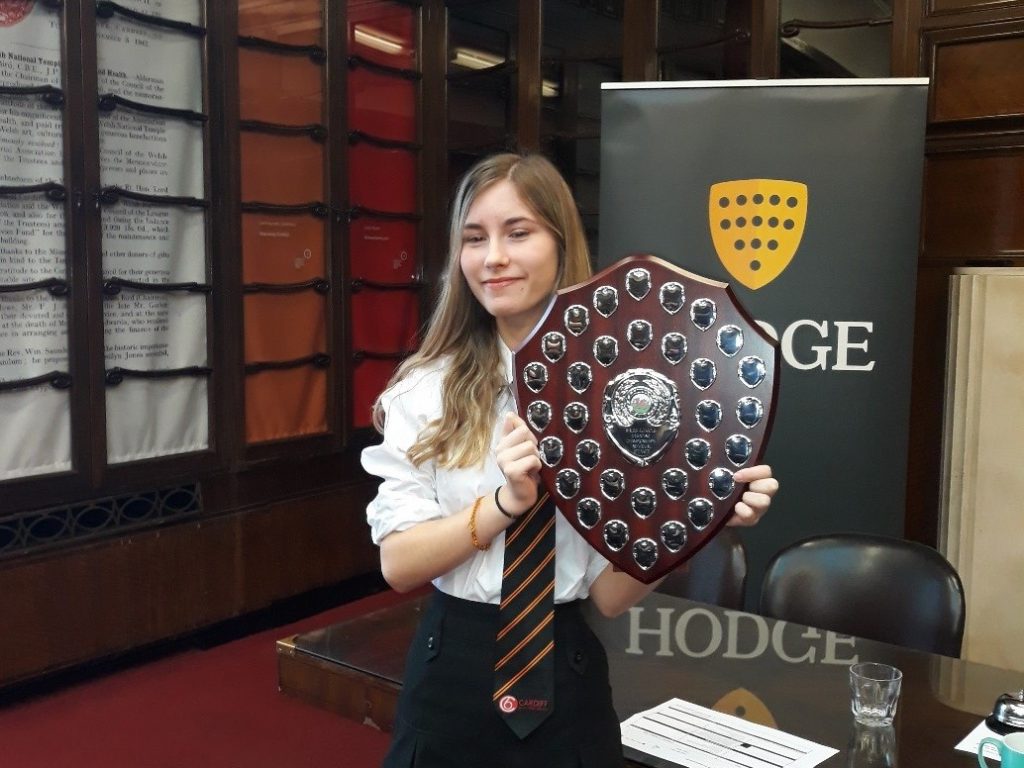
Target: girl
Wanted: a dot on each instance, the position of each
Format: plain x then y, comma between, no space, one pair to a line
460,467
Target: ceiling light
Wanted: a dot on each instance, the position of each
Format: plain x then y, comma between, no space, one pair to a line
374,38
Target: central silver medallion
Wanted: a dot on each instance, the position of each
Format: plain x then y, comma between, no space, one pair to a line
640,411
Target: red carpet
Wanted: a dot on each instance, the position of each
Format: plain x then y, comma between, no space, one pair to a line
196,708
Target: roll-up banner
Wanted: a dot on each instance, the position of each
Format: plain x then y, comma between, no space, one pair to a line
804,195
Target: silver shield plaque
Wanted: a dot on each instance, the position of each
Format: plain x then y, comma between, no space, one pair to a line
648,388
641,414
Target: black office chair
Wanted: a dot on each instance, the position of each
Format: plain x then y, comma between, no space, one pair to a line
716,574
880,588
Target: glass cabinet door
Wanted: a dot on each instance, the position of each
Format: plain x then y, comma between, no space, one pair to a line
384,260
835,38
481,81
581,47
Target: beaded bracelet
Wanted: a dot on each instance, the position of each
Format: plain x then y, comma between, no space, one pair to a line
472,527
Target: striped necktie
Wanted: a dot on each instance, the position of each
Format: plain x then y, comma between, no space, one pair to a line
524,670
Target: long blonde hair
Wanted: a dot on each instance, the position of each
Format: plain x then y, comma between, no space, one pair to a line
461,329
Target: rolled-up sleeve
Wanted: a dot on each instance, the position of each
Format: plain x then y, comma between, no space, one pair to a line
595,567
408,494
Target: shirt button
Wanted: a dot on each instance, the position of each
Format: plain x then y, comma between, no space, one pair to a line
431,643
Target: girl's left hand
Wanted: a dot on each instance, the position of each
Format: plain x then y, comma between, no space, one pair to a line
757,498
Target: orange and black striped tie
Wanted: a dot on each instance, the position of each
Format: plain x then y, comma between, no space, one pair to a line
524,670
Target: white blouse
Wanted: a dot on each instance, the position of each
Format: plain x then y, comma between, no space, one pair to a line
411,495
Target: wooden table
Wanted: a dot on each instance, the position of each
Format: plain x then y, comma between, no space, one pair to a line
780,674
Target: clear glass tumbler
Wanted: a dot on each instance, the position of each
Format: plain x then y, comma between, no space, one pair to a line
874,692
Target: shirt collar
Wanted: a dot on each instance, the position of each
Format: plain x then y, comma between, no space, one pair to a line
506,359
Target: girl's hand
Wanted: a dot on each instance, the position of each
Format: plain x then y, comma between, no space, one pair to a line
519,460
758,496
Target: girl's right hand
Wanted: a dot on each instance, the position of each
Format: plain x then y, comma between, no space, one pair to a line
519,460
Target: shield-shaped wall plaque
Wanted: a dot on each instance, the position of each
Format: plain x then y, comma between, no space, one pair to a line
648,387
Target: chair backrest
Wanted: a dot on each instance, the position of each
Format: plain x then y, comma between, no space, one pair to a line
880,588
716,574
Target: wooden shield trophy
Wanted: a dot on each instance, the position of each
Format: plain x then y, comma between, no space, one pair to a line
648,387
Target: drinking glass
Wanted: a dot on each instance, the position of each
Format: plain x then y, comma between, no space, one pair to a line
874,692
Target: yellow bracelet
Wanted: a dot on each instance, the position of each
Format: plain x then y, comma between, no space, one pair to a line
472,527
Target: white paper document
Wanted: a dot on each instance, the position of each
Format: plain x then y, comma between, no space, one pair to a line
696,737
973,739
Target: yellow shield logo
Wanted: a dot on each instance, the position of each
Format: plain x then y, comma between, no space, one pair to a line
756,226
742,703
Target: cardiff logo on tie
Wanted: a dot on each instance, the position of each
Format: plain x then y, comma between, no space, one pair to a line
756,226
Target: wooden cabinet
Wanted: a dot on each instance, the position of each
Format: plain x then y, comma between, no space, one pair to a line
479,76
973,52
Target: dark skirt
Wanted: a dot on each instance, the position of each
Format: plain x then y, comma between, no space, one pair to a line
446,718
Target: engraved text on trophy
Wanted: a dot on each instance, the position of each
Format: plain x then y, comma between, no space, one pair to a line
640,412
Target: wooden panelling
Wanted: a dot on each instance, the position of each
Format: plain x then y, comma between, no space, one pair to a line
977,74
282,562
95,601
972,50
434,163
972,206
111,597
640,41
936,7
764,38
906,42
528,76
